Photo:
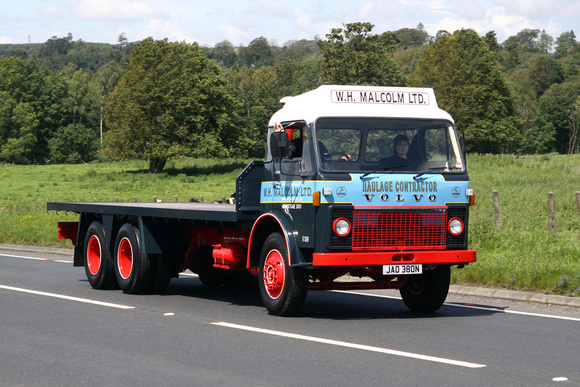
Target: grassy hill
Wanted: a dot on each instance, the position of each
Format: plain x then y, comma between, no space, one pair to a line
521,254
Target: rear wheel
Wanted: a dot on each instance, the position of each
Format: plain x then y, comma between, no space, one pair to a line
427,293
132,268
283,287
97,258
163,268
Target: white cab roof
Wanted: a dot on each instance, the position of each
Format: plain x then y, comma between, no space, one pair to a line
361,101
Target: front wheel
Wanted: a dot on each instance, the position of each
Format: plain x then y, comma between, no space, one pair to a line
427,293
283,287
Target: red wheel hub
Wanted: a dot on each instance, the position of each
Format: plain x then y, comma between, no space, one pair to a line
94,255
125,258
417,286
274,274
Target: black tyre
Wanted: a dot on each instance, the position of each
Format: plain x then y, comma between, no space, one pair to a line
208,275
163,268
132,268
97,258
427,293
283,288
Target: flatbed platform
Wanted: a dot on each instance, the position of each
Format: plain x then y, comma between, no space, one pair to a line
188,211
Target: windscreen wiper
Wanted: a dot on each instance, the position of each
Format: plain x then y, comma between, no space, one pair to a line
429,170
385,169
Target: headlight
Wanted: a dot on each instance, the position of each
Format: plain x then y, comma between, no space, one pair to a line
455,226
341,227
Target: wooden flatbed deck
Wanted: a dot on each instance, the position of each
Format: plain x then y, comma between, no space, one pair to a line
188,211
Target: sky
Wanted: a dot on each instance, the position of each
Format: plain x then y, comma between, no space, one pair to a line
241,21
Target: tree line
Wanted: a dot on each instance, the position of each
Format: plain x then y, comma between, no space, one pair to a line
67,101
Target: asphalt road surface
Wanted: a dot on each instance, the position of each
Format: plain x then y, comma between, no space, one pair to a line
57,331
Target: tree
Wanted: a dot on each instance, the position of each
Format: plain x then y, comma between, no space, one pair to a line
469,84
352,55
542,72
103,83
224,54
525,41
411,37
21,147
556,110
31,109
491,40
565,43
545,42
440,34
172,101
257,54
299,51
73,144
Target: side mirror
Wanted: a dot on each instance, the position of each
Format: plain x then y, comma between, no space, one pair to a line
279,145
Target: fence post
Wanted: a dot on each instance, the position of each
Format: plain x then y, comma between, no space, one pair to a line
551,214
201,198
495,196
176,199
578,201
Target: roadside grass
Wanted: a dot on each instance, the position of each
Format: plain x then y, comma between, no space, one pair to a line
522,254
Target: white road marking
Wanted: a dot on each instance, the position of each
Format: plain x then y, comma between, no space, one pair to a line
54,295
24,257
560,379
514,312
352,345
487,308
62,261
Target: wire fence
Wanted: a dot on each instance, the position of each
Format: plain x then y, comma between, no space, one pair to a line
525,210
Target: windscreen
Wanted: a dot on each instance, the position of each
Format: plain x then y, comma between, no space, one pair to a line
387,145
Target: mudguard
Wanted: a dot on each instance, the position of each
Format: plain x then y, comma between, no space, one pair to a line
264,226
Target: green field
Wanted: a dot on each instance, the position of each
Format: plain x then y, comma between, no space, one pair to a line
522,254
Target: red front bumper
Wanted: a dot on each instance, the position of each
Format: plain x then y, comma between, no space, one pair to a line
392,257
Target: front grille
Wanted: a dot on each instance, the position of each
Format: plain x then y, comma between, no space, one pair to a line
399,229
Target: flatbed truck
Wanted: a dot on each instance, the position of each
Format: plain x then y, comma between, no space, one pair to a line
333,197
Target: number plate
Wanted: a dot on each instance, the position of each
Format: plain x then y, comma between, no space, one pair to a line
409,268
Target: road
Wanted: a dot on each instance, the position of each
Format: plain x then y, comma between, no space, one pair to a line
57,331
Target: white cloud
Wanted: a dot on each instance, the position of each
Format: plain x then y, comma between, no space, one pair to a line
506,24
450,25
49,12
470,9
107,10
